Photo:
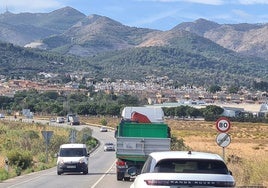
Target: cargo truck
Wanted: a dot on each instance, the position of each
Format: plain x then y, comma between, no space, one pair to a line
73,119
141,131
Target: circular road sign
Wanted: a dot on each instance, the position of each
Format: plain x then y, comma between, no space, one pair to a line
223,124
223,139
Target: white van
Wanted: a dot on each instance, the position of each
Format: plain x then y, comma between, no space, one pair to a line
60,119
72,158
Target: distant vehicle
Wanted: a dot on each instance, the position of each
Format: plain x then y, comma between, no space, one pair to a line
73,119
60,119
103,129
68,117
183,169
109,147
2,115
52,120
72,158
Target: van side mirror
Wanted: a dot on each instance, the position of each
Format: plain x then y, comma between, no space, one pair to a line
56,155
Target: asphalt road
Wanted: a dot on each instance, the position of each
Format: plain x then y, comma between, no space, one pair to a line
102,171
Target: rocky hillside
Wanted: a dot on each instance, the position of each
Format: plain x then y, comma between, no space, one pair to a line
247,39
24,28
200,52
67,30
95,34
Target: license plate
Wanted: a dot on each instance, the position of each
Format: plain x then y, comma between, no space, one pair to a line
71,166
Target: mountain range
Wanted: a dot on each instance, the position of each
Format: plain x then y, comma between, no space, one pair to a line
201,49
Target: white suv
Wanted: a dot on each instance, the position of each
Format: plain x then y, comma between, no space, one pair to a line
184,169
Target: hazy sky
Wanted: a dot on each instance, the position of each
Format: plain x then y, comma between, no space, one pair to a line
155,14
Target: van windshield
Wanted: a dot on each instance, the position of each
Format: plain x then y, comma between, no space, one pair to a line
72,152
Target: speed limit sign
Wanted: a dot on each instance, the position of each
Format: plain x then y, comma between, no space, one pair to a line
223,124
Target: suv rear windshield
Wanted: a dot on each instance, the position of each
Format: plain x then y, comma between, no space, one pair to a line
191,166
73,152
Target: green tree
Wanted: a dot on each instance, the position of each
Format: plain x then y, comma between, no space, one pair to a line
212,112
113,109
180,111
192,112
214,88
169,111
233,89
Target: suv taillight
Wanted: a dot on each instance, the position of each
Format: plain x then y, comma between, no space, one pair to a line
157,182
121,163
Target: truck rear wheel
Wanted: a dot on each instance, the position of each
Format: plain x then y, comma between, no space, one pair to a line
120,176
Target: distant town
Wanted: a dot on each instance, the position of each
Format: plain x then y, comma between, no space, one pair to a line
157,90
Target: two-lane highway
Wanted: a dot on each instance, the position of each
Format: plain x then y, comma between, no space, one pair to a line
102,172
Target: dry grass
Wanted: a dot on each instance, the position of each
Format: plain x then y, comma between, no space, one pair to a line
246,156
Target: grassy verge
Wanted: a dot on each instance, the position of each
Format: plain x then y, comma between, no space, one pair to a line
245,154
24,146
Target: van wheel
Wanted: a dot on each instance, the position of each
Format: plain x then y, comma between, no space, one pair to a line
120,176
59,173
85,172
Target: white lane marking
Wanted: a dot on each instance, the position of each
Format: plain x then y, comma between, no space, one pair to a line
98,181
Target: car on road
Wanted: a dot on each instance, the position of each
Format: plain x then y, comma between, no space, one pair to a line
103,129
183,169
60,120
72,158
109,146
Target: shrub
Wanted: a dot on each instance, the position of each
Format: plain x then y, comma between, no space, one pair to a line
41,157
3,174
84,135
103,122
177,144
92,143
32,134
20,159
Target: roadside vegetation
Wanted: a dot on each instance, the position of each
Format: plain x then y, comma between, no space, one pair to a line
23,148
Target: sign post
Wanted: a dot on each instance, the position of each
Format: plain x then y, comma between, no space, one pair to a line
47,135
223,139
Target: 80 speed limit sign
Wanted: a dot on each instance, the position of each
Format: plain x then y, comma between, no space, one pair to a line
223,124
